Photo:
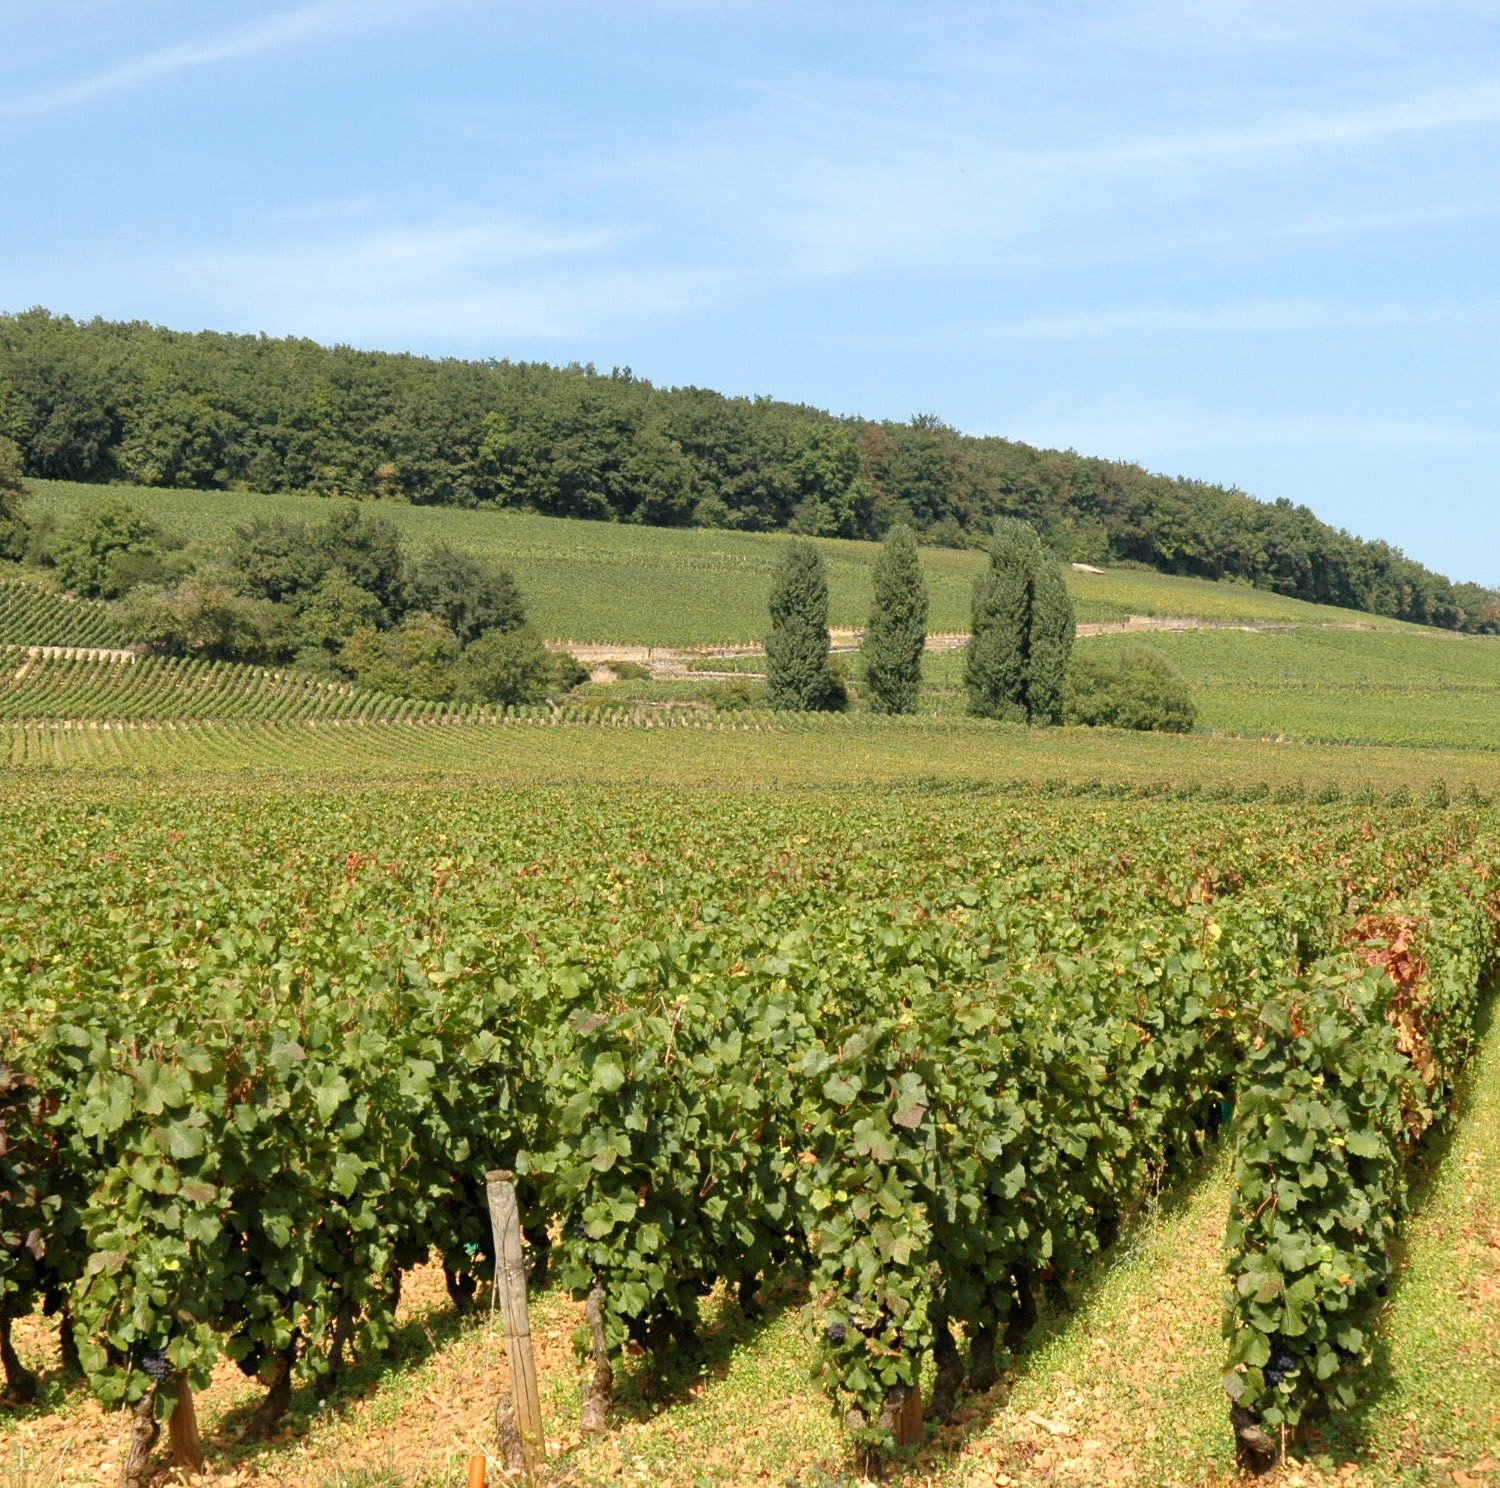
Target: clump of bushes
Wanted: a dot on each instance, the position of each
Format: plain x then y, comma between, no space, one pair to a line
340,597
1128,687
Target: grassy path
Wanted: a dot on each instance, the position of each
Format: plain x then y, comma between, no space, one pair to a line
1123,1390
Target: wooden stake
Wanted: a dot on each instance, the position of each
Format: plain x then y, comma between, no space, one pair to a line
510,1285
182,1430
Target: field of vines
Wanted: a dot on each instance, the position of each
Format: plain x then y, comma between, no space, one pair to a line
925,1053
146,689
1339,686
638,747
663,586
33,616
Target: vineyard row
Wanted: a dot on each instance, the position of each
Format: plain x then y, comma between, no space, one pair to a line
932,1066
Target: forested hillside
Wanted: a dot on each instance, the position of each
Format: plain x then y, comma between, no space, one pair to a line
106,401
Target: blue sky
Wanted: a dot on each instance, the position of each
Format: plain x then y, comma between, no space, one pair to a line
1246,240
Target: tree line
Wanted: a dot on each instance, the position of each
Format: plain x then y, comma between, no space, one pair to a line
1019,665
132,402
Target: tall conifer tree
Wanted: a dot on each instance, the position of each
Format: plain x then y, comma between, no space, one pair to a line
897,632
799,667
1021,633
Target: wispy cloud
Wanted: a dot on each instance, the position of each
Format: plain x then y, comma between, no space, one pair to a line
1432,109
840,182
1261,317
270,33
476,283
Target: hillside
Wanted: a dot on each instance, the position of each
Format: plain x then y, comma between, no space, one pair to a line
31,615
1345,687
655,586
101,401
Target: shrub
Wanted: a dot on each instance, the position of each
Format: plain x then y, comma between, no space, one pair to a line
1130,688
417,661
466,594
13,528
329,614
631,671
10,467
202,616
512,668
567,671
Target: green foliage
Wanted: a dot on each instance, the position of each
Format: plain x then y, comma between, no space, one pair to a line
418,660
1052,633
931,1093
1336,684
12,482
799,671
1344,1073
202,616
330,613
512,668
13,529
33,616
995,661
274,558
98,401
891,652
1127,687
467,595
105,548
629,584
1021,632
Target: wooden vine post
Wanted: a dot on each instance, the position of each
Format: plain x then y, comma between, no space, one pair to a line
510,1288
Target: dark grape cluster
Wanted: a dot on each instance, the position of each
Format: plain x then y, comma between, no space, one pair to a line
837,1333
578,1231
152,1362
1280,1366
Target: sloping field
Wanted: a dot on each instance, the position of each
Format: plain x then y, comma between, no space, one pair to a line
1348,687
156,689
655,586
31,615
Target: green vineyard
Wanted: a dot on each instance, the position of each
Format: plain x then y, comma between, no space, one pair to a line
851,1067
156,689
926,1058
33,616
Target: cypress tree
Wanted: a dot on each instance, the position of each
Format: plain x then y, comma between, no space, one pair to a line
1021,633
1052,632
799,668
897,632
997,667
